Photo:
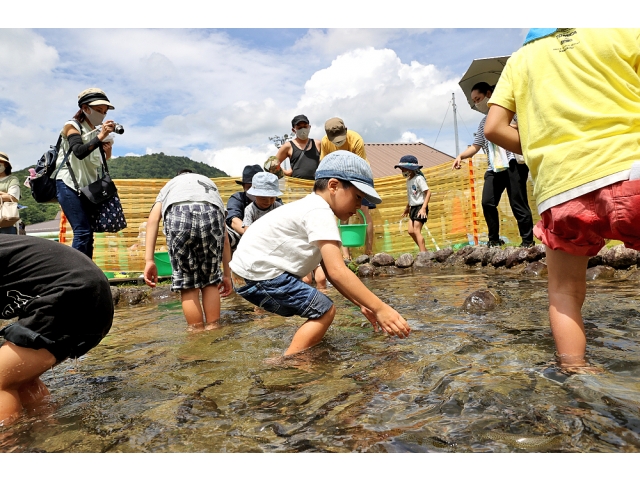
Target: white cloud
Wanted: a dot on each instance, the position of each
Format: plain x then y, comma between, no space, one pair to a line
409,137
233,159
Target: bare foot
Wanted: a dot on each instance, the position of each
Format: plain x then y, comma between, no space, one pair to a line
196,327
581,369
212,326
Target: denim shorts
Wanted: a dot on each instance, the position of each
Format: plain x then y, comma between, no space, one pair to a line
285,295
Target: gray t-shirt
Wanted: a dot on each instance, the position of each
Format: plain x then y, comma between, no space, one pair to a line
189,187
253,213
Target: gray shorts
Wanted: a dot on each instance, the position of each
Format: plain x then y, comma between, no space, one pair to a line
195,239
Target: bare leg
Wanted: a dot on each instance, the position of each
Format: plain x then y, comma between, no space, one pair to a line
211,305
311,332
321,278
192,309
567,291
19,383
308,279
346,253
415,231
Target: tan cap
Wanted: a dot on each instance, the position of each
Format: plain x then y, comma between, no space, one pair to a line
4,158
336,131
94,96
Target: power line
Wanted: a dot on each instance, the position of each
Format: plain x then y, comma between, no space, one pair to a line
445,117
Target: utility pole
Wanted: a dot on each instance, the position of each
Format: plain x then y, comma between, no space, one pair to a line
455,122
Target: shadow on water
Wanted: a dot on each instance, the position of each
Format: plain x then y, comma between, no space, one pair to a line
459,383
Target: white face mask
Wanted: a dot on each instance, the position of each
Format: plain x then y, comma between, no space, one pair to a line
303,133
339,144
1,167
482,106
406,174
94,116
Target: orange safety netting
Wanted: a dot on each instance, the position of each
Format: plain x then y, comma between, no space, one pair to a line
455,214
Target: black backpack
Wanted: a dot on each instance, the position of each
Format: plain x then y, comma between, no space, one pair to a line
43,187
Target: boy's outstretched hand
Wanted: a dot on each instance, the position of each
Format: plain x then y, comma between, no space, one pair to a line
150,274
388,320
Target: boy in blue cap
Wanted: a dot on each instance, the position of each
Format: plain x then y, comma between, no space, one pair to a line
274,255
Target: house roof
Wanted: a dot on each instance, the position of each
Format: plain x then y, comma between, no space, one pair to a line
383,156
50,226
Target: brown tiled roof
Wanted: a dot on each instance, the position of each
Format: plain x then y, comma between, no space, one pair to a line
383,156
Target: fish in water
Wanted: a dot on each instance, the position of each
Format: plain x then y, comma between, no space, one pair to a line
524,442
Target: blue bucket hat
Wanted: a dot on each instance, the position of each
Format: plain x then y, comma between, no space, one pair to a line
409,162
350,167
264,184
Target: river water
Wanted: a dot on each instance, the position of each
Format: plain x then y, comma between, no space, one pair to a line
460,383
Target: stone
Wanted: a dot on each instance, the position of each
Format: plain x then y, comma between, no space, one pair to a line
425,257
477,255
517,257
597,258
481,301
620,257
600,272
454,261
442,255
536,252
390,271
465,251
489,254
362,259
366,270
537,269
133,295
382,260
163,292
404,261
115,295
499,258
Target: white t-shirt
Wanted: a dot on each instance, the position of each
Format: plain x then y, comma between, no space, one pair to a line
287,242
189,187
416,187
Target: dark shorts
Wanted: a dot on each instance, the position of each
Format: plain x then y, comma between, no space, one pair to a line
195,239
368,204
285,295
413,214
63,323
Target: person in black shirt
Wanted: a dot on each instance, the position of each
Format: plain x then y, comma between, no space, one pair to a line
63,308
303,152
238,202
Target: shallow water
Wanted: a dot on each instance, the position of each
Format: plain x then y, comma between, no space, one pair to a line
459,383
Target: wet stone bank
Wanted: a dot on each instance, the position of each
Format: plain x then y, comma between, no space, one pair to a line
610,263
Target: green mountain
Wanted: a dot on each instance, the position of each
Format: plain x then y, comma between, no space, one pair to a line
156,165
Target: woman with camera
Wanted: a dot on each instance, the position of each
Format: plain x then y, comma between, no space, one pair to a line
85,145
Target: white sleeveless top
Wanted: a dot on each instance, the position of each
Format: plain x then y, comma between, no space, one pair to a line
87,170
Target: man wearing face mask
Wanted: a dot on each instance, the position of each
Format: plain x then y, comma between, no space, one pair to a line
338,137
303,152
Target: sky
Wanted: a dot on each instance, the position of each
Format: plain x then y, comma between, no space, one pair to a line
216,95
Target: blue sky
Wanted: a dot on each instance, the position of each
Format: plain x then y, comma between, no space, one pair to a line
216,95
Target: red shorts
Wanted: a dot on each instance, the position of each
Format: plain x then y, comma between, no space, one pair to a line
582,225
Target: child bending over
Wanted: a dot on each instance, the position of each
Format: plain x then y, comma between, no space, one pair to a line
274,255
197,240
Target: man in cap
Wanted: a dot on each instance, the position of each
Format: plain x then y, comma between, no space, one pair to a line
303,152
338,137
238,202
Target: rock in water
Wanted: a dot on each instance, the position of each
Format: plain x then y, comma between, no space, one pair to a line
600,272
362,259
620,257
442,255
477,255
366,270
404,261
536,443
382,260
481,301
537,269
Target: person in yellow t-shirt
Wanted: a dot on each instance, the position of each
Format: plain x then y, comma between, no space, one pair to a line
577,96
338,137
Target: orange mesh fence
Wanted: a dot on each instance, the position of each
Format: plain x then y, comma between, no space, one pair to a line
455,214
